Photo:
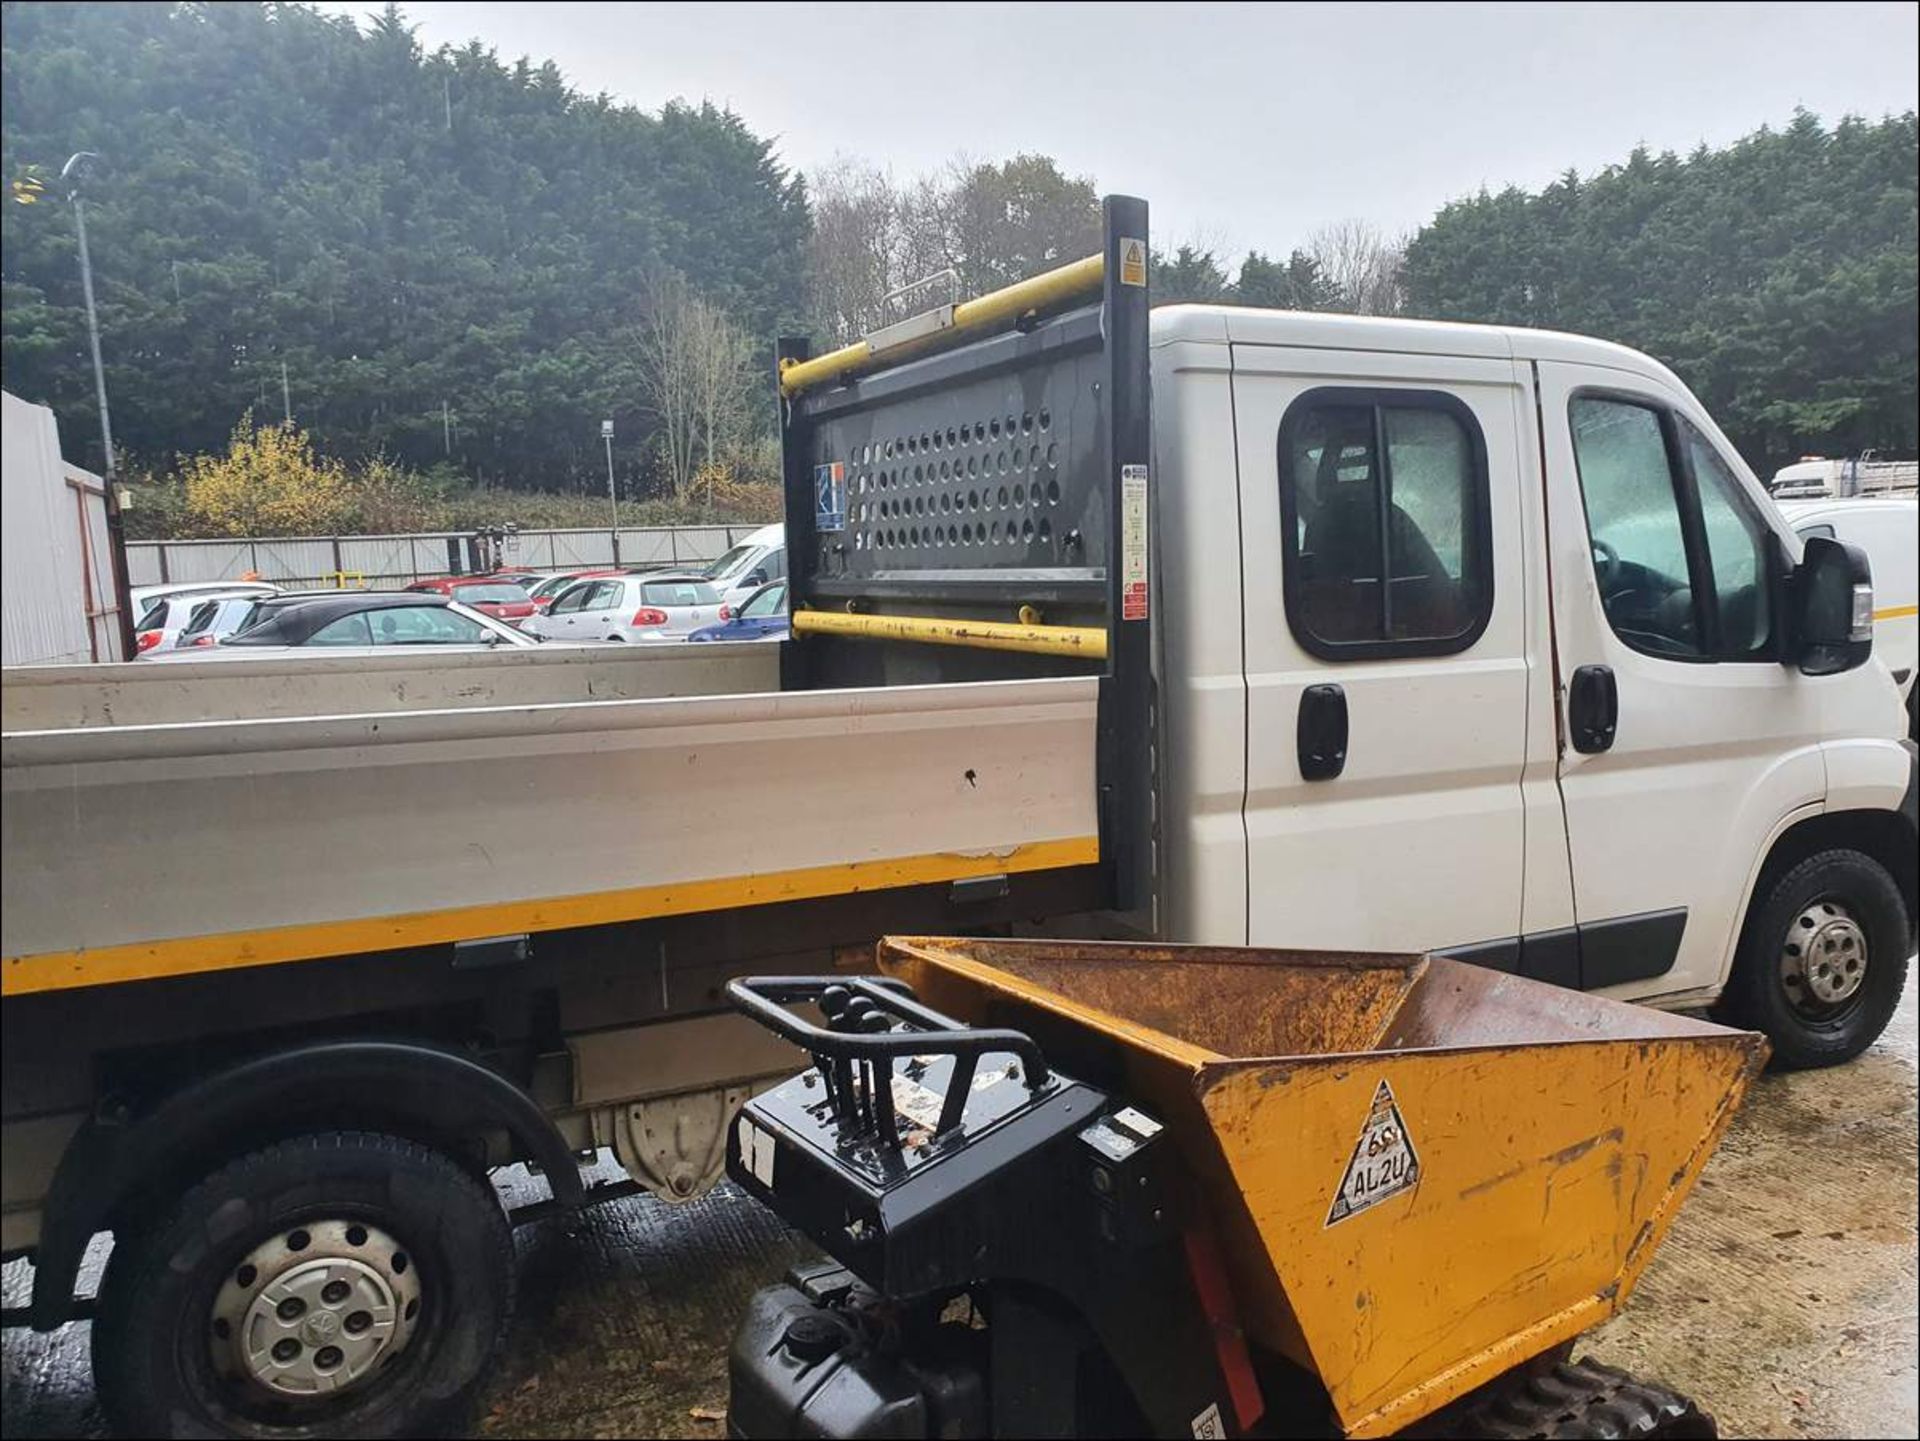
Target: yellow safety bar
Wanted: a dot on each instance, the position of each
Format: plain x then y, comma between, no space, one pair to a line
1087,642
1038,292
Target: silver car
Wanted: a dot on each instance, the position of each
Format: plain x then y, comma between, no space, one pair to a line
167,621
642,608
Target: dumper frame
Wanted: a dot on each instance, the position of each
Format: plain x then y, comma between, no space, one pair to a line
1196,1191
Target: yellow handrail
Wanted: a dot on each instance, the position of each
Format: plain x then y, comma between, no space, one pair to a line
1086,642
1038,292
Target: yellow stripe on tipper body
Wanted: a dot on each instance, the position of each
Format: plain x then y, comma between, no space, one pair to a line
193,955
1896,612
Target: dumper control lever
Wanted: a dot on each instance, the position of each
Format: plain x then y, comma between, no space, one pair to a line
872,1021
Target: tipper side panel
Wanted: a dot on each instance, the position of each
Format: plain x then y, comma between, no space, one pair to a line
1542,1179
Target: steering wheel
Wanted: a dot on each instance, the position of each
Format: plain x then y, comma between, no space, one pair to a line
1606,564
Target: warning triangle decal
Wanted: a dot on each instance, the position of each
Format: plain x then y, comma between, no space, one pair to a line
1384,1162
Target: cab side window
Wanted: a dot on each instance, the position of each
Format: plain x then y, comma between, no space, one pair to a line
1681,557
1384,483
1633,522
1737,550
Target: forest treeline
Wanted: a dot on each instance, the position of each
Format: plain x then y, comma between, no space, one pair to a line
460,266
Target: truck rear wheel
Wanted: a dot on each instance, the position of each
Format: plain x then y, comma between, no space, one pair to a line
1822,960
344,1284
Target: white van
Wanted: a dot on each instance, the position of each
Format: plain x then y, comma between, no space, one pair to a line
1887,528
760,558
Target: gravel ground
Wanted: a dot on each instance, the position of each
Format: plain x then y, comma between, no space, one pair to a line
1783,1300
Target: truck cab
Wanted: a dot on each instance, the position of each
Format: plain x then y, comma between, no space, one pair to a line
1569,736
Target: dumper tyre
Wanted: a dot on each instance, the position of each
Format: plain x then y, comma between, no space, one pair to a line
342,1284
1822,960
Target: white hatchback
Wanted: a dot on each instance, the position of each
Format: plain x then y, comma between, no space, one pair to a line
643,608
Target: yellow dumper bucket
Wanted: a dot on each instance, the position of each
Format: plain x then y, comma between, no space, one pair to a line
1422,1173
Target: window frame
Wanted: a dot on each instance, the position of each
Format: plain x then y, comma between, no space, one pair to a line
1476,534
1693,531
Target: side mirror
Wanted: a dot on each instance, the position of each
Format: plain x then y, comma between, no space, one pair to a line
1831,608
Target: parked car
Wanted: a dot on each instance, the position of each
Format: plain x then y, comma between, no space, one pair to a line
358,623
760,558
143,597
498,596
762,617
643,608
1887,528
214,619
549,586
163,624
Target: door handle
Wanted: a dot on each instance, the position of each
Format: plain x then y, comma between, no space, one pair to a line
1322,732
1593,709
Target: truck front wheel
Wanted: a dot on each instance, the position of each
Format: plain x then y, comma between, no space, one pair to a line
344,1284
1822,960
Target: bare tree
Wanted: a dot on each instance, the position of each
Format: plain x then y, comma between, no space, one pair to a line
697,372
854,255
1366,265
992,224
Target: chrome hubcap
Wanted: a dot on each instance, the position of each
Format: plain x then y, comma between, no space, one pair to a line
316,1310
1824,960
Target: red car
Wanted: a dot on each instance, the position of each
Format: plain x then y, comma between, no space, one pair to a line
493,595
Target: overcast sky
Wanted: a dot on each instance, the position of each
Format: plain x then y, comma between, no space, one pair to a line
1243,125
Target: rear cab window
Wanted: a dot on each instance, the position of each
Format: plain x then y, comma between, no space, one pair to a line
1384,482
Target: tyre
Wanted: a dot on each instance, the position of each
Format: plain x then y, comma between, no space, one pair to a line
344,1284
1822,960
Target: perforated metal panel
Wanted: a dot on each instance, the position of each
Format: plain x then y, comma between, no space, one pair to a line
994,480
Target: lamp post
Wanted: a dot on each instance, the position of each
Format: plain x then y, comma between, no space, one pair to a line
613,501
70,173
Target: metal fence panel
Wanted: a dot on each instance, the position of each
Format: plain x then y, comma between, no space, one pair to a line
295,559
386,561
581,548
143,563
209,560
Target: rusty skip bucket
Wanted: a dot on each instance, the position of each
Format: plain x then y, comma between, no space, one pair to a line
1422,1173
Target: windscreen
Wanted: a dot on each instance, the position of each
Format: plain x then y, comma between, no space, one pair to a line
734,560
678,592
494,593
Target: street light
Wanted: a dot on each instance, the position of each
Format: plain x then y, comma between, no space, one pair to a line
613,502
70,173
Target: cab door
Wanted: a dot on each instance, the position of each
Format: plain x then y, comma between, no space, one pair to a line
1387,672
1687,742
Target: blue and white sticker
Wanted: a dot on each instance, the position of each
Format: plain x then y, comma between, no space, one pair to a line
830,497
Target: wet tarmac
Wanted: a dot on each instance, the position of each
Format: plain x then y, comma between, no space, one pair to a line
1784,1300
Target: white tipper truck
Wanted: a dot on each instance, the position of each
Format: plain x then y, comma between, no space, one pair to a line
1218,625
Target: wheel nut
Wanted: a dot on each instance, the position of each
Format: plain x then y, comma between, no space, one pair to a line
290,1309
334,1292
358,1321
285,1349
327,1357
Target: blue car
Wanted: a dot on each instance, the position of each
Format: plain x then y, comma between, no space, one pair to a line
762,617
